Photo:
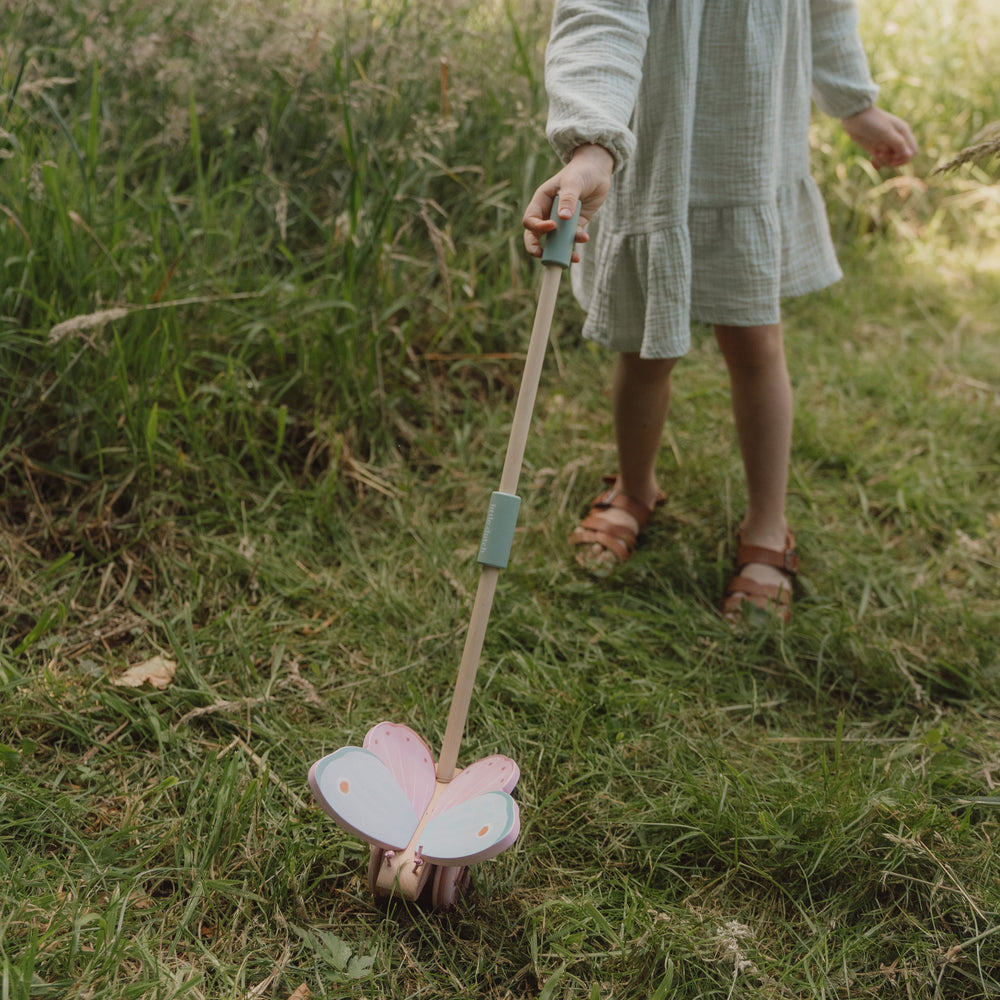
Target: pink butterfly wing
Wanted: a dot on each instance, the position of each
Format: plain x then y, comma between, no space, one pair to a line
379,792
408,759
489,774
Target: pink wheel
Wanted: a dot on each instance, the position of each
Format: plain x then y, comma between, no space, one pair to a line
449,885
375,856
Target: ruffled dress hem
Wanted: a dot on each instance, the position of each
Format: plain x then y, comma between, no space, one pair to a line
729,265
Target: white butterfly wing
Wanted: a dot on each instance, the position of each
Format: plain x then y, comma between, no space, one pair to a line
359,791
473,830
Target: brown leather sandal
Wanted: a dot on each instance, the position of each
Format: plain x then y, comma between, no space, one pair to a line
771,597
597,529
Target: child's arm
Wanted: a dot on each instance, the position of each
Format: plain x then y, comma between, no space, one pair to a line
843,86
593,66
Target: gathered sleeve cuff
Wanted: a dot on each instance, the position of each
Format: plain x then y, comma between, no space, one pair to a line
593,67
842,81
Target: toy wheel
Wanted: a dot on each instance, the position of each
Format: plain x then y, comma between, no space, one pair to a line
374,864
449,885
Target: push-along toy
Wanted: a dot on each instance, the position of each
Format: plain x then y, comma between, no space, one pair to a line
427,824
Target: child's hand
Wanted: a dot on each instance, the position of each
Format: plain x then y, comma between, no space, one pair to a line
586,178
886,138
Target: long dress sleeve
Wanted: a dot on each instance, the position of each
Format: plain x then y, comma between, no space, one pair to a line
842,82
593,67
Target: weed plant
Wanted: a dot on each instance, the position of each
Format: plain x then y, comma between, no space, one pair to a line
261,315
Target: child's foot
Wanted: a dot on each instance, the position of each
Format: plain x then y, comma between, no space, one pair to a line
763,578
607,536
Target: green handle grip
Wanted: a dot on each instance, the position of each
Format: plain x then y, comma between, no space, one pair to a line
498,535
559,244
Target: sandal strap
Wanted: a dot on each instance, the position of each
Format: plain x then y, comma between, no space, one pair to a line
785,559
734,604
596,521
622,548
741,586
636,509
620,539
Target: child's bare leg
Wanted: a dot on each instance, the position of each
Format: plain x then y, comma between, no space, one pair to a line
640,401
762,411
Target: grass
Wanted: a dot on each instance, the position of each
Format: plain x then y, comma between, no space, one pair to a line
271,467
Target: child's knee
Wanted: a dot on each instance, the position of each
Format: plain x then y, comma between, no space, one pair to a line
646,369
751,346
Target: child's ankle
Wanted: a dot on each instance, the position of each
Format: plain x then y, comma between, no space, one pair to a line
647,494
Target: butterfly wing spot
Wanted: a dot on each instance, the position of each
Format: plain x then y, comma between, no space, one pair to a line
482,833
344,786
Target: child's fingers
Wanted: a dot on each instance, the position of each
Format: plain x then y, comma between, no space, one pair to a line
568,197
538,224
583,181
535,229
887,139
909,141
536,220
901,148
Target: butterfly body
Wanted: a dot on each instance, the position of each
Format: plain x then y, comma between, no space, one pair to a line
387,792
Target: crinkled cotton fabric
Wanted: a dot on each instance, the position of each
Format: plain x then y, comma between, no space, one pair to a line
705,105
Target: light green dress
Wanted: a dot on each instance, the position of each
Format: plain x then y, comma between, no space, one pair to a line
705,106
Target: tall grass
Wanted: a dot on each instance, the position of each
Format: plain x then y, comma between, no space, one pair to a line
326,191
305,184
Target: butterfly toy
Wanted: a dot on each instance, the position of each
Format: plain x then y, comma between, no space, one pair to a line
424,834
428,823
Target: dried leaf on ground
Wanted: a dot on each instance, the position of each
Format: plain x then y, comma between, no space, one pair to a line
157,671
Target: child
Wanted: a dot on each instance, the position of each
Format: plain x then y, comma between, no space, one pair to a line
688,120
